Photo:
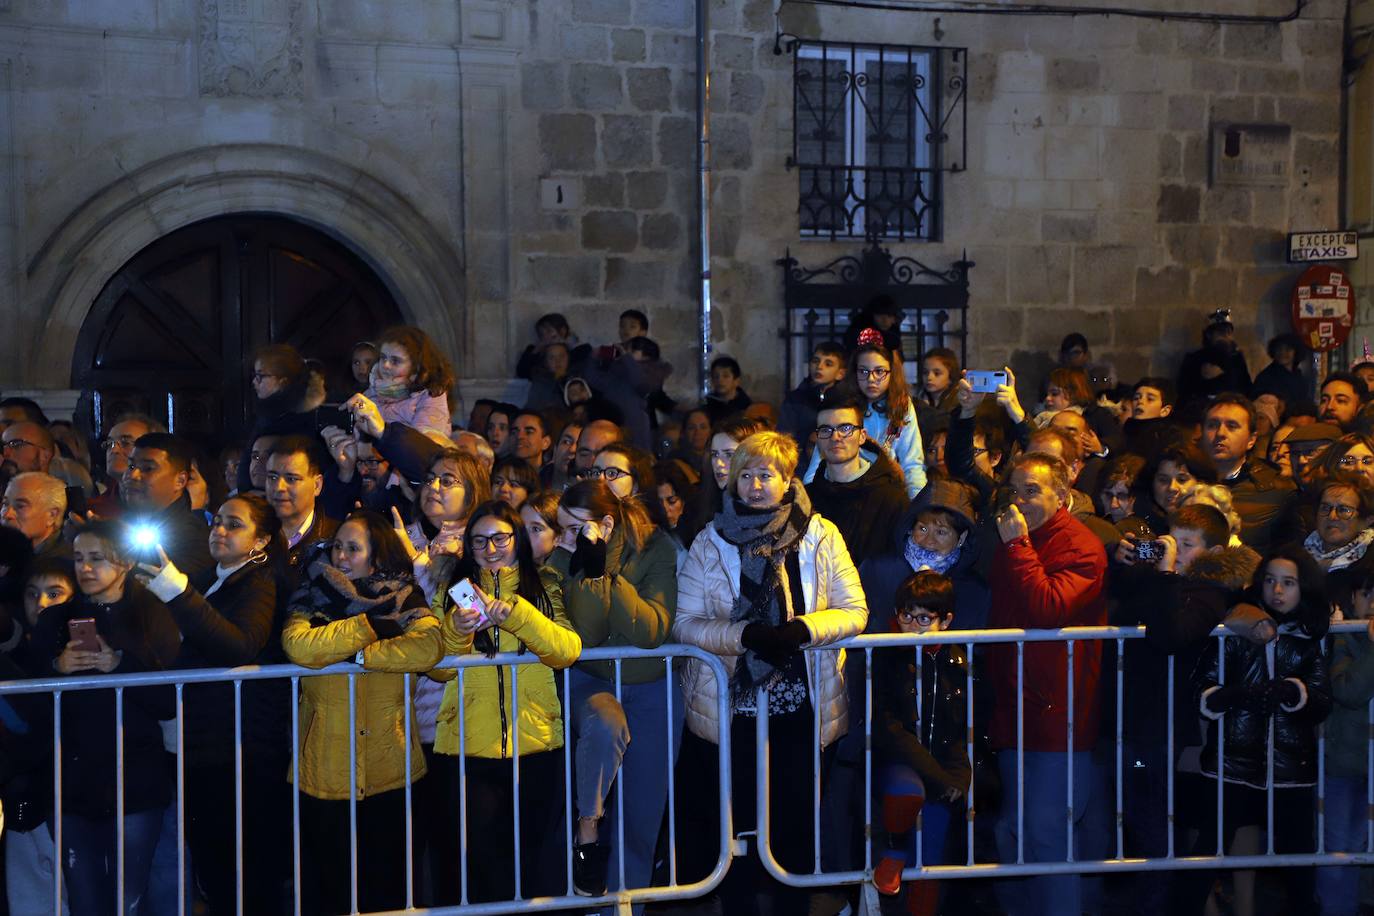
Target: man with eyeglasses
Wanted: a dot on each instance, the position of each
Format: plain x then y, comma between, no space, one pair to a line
860,489
117,446
27,447
595,436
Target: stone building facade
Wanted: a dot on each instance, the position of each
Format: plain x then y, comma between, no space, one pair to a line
433,138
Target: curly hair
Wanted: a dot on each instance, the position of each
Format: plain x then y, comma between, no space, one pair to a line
433,373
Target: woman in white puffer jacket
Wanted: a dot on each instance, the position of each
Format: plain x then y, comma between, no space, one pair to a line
767,578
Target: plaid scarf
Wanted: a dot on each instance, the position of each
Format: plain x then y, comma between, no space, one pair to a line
328,595
764,539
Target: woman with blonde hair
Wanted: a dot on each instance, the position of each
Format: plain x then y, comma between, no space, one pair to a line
767,578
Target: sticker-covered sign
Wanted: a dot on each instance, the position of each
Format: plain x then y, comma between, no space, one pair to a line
1323,308
1323,246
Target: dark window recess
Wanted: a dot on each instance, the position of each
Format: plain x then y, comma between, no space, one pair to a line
873,128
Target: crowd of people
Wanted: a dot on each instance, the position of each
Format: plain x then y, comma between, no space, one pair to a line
602,514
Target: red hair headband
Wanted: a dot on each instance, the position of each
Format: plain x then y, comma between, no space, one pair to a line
871,337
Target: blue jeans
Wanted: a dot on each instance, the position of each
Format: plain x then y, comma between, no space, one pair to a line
1338,886
1046,833
90,850
927,845
628,740
162,876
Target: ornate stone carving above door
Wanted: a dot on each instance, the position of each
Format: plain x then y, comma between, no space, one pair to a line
251,48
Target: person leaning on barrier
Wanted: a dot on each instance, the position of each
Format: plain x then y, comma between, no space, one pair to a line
765,579
920,715
1346,806
620,588
1249,691
357,602
134,632
1047,573
1179,598
228,619
521,612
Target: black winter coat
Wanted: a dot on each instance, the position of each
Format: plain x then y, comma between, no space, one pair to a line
142,628
865,510
1178,612
240,624
933,741
287,413
1246,730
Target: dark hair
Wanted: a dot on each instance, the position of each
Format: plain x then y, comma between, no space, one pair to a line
1073,340
1125,467
1074,383
898,397
1313,613
1186,454
388,556
177,449
51,567
950,360
1216,530
545,503
32,412
505,409
282,360
1356,383
432,370
1327,462
845,400
287,446
636,315
1290,340
531,586
365,345
212,472
265,523
926,589
1364,491
726,362
1167,393
476,484
828,348
1237,400
518,470
537,414
643,345
553,320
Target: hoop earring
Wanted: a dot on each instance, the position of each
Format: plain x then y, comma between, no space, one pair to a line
257,556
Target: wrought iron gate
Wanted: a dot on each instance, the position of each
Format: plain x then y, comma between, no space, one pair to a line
821,302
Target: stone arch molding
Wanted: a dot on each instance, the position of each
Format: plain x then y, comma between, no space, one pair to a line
418,263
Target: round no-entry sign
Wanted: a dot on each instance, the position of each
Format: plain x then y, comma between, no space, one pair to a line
1323,307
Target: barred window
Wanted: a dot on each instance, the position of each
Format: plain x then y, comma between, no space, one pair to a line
871,136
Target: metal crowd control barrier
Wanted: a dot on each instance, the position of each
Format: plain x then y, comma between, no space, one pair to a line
1069,865
622,900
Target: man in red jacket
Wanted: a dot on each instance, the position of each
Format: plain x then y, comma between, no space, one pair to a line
1048,572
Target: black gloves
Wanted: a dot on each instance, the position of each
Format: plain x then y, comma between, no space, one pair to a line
589,559
1266,697
775,644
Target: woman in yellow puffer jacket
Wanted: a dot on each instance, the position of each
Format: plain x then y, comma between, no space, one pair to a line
507,711
358,601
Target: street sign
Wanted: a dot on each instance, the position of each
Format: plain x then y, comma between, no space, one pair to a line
1323,246
1323,308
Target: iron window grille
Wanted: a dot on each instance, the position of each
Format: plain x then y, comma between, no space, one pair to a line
873,128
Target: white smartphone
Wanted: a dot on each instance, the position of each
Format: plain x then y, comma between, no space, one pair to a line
464,596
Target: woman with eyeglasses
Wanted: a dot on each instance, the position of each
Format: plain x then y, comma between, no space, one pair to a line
507,712
890,418
725,439
1340,540
619,574
629,472
453,486
1350,454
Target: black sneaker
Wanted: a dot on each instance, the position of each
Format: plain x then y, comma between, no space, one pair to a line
589,869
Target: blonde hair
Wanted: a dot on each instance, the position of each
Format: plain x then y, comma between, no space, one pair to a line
1216,496
762,448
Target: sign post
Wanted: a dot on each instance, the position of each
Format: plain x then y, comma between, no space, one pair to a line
1323,311
1323,246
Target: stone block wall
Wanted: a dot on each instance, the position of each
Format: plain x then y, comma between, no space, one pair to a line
541,154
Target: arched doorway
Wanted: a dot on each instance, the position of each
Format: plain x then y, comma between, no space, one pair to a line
173,331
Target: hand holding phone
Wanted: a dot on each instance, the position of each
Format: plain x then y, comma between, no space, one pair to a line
469,610
986,381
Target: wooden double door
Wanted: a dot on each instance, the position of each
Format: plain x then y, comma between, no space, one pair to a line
174,331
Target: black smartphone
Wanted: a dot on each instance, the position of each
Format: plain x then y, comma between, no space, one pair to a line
333,415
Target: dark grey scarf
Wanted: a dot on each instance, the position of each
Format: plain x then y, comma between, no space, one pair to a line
764,540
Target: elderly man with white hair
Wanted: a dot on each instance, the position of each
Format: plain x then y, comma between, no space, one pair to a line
35,504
